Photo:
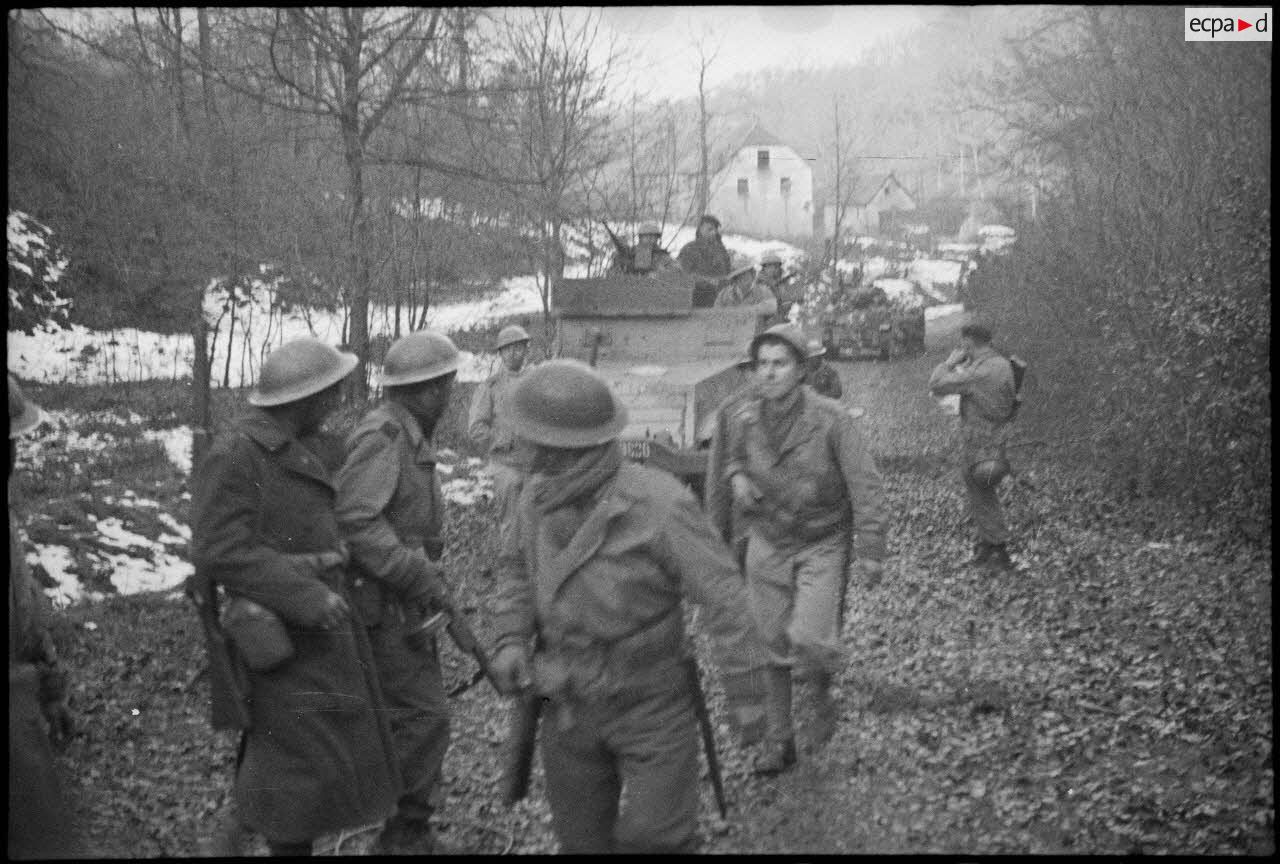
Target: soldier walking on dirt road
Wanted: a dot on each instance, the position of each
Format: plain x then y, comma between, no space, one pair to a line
317,755
983,378
590,614
490,423
391,511
809,495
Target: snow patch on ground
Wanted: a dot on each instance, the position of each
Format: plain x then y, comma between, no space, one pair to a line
177,444
56,561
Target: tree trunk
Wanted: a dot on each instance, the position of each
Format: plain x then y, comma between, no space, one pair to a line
201,363
704,166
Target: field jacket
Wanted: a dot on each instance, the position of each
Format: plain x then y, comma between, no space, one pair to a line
821,480
318,756
489,424
705,257
985,387
391,509
605,612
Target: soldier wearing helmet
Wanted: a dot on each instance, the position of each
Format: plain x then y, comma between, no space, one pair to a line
39,823
808,497
772,280
391,511
589,613
705,255
648,256
819,375
983,378
743,291
318,755
490,423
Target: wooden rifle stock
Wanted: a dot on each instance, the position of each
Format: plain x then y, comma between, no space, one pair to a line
517,762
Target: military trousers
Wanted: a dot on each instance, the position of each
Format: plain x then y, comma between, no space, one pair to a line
796,595
39,820
507,483
413,690
623,778
985,510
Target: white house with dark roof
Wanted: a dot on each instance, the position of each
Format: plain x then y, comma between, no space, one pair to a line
878,205
765,187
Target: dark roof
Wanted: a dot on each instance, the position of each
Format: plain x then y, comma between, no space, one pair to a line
866,186
725,143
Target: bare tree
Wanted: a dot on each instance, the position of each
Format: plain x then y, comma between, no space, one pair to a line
706,56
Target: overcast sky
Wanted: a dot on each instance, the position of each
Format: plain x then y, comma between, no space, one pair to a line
664,59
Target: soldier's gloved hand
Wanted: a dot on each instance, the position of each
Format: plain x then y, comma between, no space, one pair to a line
511,669
745,491
334,612
429,589
870,571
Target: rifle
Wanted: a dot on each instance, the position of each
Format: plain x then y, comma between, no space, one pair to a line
227,675
626,255
517,757
708,737
455,624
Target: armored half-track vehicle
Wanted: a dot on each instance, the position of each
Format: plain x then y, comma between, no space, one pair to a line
671,361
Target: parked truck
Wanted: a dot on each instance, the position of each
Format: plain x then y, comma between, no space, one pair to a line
671,361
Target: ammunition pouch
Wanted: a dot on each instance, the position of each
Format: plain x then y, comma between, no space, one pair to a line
591,670
258,633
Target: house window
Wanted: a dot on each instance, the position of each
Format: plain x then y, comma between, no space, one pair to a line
743,190
762,160
784,186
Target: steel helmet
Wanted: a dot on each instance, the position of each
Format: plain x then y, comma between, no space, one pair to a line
565,403
770,258
989,472
741,271
419,356
649,228
298,369
816,349
788,333
24,415
510,335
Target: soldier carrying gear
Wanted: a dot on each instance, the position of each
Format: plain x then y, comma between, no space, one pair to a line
38,814
805,487
318,754
984,380
589,614
391,511
772,280
819,375
490,423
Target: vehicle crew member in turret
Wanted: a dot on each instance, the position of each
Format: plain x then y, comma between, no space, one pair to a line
318,756
819,374
391,511
983,378
809,494
40,823
490,424
590,611
705,255
648,256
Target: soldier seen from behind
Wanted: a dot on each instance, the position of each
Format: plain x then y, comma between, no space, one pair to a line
743,290
590,614
804,484
984,380
39,819
819,374
317,755
490,423
705,255
391,512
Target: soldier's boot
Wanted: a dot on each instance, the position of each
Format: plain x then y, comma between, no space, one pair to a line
779,751
825,711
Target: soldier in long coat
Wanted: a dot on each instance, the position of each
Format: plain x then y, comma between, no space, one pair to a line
590,609
391,510
318,756
40,824
489,423
809,496
705,255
